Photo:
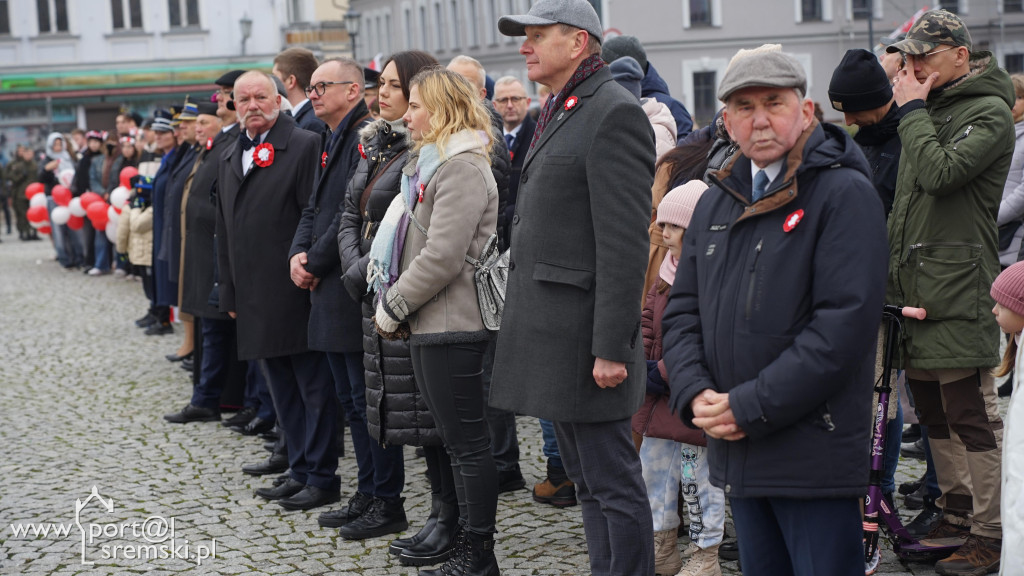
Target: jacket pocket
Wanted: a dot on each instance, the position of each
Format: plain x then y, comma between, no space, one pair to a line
545,272
947,279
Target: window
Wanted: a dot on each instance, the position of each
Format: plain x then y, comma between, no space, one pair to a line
455,25
183,13
5,18
705,104
439,26
1014,63
127,14
386,38
862,9
493,14
700,12
407,23
951,5
53,15
423,28
474,38
810,10
1013,6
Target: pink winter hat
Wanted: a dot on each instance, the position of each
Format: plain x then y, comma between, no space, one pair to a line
1008,289
677,206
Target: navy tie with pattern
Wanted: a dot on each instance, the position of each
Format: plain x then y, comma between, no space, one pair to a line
760,184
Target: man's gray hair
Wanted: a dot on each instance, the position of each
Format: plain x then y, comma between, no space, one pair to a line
509,80
351,70
463,59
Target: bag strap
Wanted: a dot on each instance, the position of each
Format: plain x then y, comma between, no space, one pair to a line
365,198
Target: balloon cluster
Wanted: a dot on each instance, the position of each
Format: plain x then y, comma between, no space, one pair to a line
74,211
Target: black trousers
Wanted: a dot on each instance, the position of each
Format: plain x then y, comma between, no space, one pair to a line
307,410
450,377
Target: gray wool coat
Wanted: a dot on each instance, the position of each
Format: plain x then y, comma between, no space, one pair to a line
579,253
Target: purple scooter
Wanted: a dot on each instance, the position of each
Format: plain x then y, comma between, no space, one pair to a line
877,505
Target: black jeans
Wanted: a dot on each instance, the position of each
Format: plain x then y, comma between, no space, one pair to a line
450,377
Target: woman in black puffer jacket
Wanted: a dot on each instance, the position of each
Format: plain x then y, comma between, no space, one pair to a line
395,411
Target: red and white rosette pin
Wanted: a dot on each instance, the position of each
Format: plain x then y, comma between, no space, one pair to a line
209,143
263,155
571,102
323,160
792,220
361,152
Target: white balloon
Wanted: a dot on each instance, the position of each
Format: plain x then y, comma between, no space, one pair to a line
112,231
66,177
112,214
119,196
60,215
37,200
38,225
76,207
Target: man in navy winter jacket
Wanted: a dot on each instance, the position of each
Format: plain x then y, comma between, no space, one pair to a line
770,329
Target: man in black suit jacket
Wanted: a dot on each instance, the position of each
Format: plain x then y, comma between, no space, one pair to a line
511,101
335,325
294,67
264,183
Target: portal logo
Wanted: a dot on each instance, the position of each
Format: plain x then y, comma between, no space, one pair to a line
152,538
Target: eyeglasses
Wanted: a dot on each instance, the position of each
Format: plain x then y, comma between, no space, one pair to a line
924,57
321,87
512,99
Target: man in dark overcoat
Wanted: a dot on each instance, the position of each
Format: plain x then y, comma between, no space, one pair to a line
569,349
264,183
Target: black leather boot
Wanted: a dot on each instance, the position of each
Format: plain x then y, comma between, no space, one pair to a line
474,556
437,546
456,555
384,516
400,544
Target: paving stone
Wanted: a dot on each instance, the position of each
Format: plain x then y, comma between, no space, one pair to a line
82,395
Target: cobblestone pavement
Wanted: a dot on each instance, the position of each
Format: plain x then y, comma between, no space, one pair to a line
82,394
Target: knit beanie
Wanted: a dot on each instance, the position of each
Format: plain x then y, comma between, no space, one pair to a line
1008,289
626,71
859,83
677,206
619,46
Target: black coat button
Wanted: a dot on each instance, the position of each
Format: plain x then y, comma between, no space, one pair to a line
523,179
511,265
314,238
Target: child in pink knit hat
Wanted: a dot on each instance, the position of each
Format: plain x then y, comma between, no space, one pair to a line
671,452
1008,292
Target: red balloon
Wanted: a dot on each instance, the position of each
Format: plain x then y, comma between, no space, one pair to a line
88,198
76,222
37,214
44,230
34,188
61,195
127,173
96,211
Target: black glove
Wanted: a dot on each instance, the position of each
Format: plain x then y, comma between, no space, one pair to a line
655,383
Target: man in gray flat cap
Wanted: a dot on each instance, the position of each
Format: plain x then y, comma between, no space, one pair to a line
769,333
570,350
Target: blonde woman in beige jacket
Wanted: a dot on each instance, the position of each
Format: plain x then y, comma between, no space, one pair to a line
447,209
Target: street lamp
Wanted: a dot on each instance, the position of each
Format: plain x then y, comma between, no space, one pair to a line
352,20
246,24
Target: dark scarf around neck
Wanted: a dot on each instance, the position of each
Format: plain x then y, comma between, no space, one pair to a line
587,68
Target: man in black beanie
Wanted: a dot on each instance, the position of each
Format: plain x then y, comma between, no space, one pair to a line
861,90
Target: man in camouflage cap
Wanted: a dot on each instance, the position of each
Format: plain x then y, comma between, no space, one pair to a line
958,138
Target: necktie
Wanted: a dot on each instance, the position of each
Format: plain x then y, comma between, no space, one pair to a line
760,184
509,139
246,142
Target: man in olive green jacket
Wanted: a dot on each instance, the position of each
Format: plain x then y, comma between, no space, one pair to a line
958,138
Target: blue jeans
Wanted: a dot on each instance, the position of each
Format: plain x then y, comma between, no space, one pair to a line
101,245
547,429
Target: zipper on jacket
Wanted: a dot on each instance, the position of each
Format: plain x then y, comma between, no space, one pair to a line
650,416
753,278
912,247
826,417
966,133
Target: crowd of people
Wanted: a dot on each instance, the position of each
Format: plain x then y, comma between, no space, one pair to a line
691,312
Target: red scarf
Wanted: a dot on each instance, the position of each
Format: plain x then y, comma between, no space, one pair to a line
585,70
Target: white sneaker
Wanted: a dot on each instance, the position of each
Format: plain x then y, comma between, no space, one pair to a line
95,272
119,273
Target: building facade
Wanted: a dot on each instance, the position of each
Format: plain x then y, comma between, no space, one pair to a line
690,42
76,63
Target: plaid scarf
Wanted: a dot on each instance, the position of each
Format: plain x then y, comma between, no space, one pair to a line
585,70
